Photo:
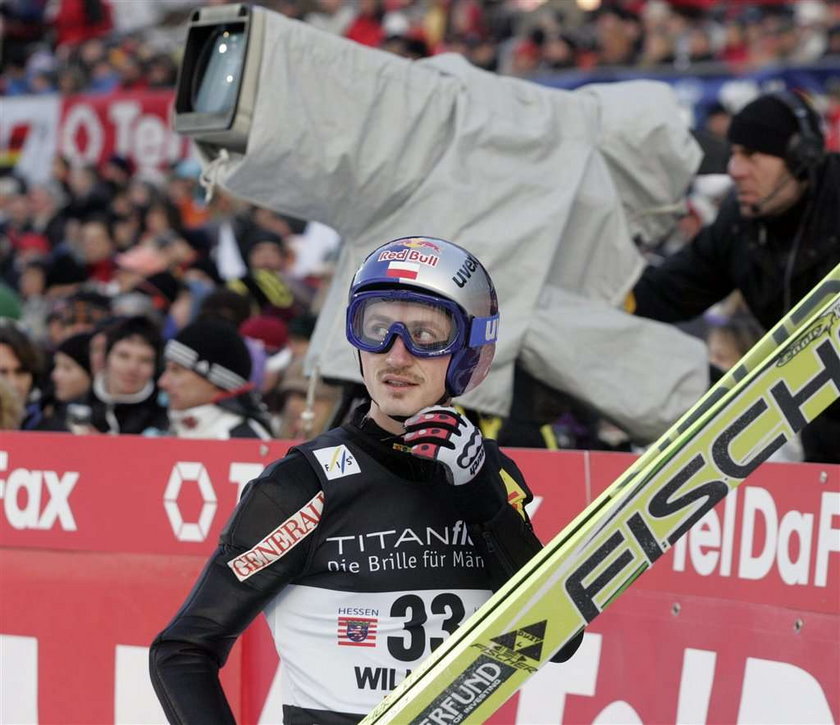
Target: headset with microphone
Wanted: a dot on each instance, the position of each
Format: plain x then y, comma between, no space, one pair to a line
805,149
804,153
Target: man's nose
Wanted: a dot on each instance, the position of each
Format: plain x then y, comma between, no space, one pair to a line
399,355
736,166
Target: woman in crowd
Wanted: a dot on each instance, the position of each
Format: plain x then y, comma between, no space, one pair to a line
72,379
20,366
124,395
11,409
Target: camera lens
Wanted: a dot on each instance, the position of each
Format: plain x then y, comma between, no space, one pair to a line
220,70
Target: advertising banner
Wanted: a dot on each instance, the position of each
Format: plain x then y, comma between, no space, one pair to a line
134,125
29,135
774,539
101,539
87,129
124,494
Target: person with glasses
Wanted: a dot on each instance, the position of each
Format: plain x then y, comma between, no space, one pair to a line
368,545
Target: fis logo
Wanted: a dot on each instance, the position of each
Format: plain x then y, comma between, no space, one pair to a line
337,461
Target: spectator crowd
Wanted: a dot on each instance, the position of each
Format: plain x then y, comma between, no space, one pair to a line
111,289
113,285
96,46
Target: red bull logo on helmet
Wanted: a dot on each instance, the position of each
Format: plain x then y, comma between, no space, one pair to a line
409,255
420,243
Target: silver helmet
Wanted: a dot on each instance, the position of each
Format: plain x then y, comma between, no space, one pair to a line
433,272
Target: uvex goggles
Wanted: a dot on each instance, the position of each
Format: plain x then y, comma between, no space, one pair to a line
429,326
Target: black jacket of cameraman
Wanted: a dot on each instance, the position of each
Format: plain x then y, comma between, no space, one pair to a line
750,255
773,261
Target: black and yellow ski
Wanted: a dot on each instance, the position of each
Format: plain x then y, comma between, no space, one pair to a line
789,377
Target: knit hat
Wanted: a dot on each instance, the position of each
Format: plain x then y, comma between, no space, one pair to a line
85,307
162,287
261,236
766,125
272,331
77,347
30,242
214,350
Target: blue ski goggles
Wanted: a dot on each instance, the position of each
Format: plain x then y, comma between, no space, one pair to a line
429,326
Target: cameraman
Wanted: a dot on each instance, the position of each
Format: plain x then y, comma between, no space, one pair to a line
775,237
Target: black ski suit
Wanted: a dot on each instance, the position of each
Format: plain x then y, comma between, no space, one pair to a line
363,558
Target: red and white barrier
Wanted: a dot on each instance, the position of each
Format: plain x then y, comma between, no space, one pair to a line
101,538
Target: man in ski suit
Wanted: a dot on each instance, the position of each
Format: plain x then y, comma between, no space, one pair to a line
775,237
367,546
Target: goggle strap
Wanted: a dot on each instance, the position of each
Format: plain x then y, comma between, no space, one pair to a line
484,330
